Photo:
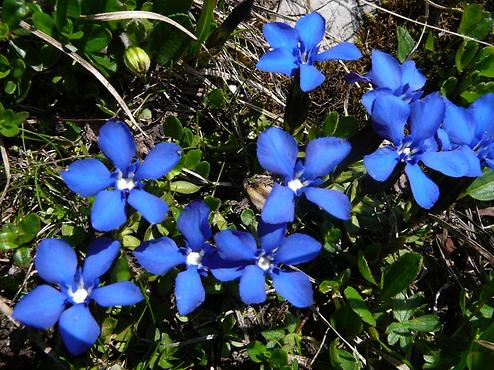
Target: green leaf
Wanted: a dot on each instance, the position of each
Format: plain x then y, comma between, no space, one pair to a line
215,99
475,22
97,38
330,123
22,257
347,127
347,321
364,269
358,305
61,13
167,7
275,334
465,54
341,359
482,188
400,274
477,91
485,65
8,237
256,351
205,20
184,187
247,216
448,87
173,127
120,270
426,323
13,11
405,43
278,358
30,227
167,43
44,23
404,307
429,43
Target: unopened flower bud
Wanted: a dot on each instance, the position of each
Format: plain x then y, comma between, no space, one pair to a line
137,60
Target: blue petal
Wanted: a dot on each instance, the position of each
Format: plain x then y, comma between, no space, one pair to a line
483,113
310,77
278,61
252,285
297,248
277,151
452,163
87,177
101,254
123,293
426,115
353,77
389,115
311,28
117,143
473,161
108,212
295,287
459,124
56,261
224,270
412,76
193,223
424,190
280,35
159,256
152,208
78,328
369,97
159,161
189,291
323,155
443,140
40,308
280,205
386,71
381,163
334,202
342,51
270,235
235,245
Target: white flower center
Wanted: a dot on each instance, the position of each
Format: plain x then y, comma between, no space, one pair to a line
194,258
407,150
295,185
79,296
264,262
125,183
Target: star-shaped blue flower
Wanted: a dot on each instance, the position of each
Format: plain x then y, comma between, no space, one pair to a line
422,119
255,264
298,49
472,127
389,77
56,263
161,255
277,152
89,177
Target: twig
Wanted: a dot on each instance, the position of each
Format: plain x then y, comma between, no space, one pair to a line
6,166
134,14
320,347
7,311
426,25
445,8
89,67
354,350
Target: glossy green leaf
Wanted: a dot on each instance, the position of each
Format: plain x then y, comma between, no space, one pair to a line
256,351
13,11
400,274
173,127
358,305
364,268
30,226
426,323
465,54
482,188
405,43
485,65
97,38
348,321
205,20
184,187
341,359
22,257
475,22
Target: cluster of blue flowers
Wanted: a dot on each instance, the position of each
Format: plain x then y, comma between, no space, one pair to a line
418,131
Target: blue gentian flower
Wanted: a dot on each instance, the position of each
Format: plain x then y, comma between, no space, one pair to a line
298,49
89,177
161,255
472,127
56,263
422,119
389,77
277,152
255,264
